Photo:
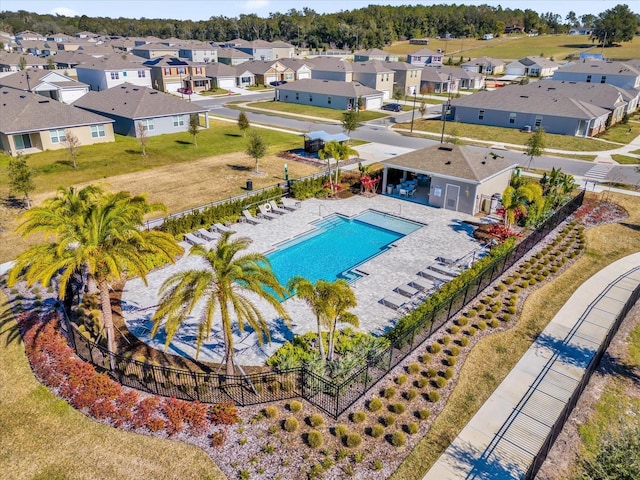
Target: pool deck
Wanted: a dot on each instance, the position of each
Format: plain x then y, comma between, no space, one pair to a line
444,235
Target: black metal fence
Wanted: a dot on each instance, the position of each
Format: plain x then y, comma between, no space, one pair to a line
573,400
333,398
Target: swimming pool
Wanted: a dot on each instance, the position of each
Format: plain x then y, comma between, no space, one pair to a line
337,245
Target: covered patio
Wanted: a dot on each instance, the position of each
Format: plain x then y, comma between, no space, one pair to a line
315,141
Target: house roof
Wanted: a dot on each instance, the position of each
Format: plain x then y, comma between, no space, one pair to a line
22,112
600,67
295,63
151,47
423,52
514,99
214,70
371,66
430,74
373,52
537,60
454,72
13,59
258,66
483,61
331,87
398,66
110,63
228,52
331,64
454,161
600,94
168,61
37,76
132,101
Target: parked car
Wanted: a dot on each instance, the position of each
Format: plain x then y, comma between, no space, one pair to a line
278,82
393,107
186,91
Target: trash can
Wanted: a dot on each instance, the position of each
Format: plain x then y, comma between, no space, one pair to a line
249,184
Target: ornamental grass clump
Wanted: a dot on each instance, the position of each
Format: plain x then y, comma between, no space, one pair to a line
375,404
411,394
315,439
423,414
413,368
358,416
398,439
435,348
401,379
412,428
388,420
340,430
291,424
316,420
389,393
397,408
295,406
433,396
353,440
377,431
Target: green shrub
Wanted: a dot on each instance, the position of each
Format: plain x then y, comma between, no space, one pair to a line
412,428
413,368
314,439
401,380
446,340
451,361
500,287
512,310
488,315
434,396
353,440
295,406
532,282
464,341
377,431
291,424
462,321
494,323
435,348
358,416
448,373
480,307
471,331
524,284
517,288
388,420
432,372
271,411
425,358
422,382
358,457
509,280
326,463
454,351
454,330
441,382
340,430
377,465
398,439
316,420
495,308
389,393
398,408
423,414
375,404
506,317
482,325
411,394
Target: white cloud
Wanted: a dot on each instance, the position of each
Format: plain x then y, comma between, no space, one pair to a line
253,6
67,12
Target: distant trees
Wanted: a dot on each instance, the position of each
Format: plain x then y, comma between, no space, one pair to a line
618,24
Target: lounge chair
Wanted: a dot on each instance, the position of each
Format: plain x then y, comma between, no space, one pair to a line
433,275
246,214
265,212
439,267
191,239
407,290
421,283
394,301
276,209
290,204
205,235
218,227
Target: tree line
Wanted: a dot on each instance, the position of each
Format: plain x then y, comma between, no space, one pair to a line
369,27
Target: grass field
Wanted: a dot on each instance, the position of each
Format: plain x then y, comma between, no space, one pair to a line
514,47
319,112
44,438
626,159
494,356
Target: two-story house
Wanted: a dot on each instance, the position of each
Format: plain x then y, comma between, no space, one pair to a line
376,75
48,83
424,56
268,72
232,56
104,73
406,76
621,74
264,50
198,52
374,54
168,74
155,50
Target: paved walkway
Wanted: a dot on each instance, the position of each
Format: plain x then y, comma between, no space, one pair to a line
502,439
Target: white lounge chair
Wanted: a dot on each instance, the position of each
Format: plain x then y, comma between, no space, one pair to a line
265,212
218,227
205,235
435,276
246,214
421,283
191,239
407,290
276,209
290,204
451,271
394,301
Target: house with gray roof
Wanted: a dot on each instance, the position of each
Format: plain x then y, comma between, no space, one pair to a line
264,50
435,80
131,105
232,56
456,177
376,75
621,74
155,50
199,52
374,54
484,66
30,123
10,62
331,68
329,94
48,83
221,75
534,66
515,107
301,68
108,72
406,76
424,56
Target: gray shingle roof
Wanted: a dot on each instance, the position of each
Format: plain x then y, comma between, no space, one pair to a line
423,52
329,64
214,70
484,61
371,66
168,61
226,52
28,112
398,66
600,94
601,67
454,161
131,101
110,63
331,87
19,80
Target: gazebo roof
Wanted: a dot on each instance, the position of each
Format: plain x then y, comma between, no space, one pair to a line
326,137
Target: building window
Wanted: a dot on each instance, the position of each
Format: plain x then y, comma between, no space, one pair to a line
538,121
22,141
142,74
181,71
58,136
588,78
288,76
147,124
178,121
115,75
310,98
97,131
166,71
481,115
329,100
124,74
512,118
603,79
297,96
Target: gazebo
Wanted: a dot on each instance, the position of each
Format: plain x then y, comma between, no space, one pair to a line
314,141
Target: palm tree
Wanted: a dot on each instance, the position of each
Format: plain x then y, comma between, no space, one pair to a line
517,199
94,232
340,299
222,287
339,151
316,297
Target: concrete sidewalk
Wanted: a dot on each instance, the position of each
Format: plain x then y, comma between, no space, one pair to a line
503,438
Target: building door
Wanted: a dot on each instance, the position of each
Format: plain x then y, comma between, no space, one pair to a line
451,197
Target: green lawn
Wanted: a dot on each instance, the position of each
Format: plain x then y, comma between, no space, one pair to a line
100,161
320,112
625,159
621,132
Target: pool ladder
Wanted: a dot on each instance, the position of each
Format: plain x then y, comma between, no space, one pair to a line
320,207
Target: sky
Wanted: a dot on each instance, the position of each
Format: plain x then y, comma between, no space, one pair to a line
204,9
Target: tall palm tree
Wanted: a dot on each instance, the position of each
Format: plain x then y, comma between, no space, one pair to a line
94,232
340,299
339,151
517,200
316,296
222,286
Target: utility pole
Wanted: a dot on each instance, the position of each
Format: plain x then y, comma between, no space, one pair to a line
445,108
413,112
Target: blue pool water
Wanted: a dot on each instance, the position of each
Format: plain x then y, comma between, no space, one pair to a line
337,246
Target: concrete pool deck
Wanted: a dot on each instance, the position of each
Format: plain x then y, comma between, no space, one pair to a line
444,235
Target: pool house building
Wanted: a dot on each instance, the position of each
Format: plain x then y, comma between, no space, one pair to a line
460,178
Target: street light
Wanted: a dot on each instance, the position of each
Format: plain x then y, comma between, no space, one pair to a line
445,108
413,112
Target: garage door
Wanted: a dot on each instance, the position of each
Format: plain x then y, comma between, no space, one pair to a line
226,82
386,94
172,87
373,103
304,76
271,78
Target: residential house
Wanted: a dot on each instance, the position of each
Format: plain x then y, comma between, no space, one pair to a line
232,56
221,75
244,77
484,66
122,44
406,77
11,62
462,79
29,35
198,52
435,80
424,56
264,50
534,66
104,73
301,68
155,50
168,74
515,107
268,72
133,107
376,75
329,94
621,74
331,68
374,54
39,48
580,31
30,123
48,83
454,177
